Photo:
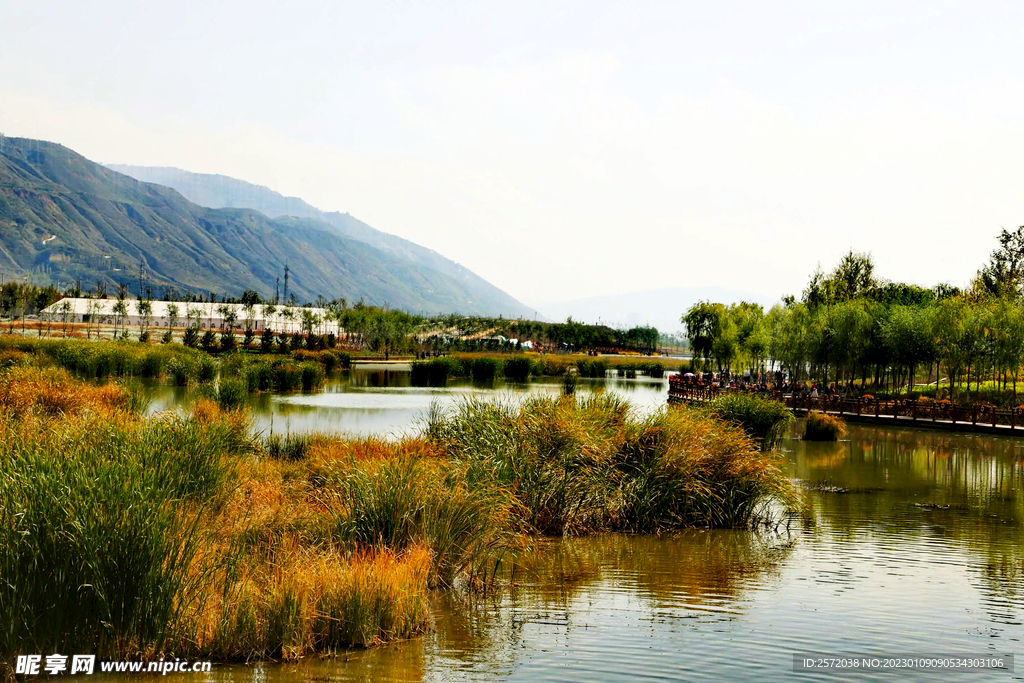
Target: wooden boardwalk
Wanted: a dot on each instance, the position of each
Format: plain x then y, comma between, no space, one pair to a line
976,418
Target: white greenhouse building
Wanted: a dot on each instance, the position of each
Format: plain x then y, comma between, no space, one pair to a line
207,315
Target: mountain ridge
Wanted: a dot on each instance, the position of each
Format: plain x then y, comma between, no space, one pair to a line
222,191
65,217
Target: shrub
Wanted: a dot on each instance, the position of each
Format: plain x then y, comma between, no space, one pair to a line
207,369
824,427
517,369
312,375
266,341
258,376
209,341
287,377
579,465
435,371
227,342
183,371
231,392
592,368
153,363
761,418
484,368
191,338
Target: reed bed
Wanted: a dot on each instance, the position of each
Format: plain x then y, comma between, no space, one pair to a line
101,359
763,419
582,465
823,427
129,536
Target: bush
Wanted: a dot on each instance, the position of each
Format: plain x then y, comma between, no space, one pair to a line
227,342
517,369
258,376
286,377
579,465
592,368
191,338
823,427
436,371
266,341
761,418
312,375
484,368
231,393
209,341
183,371
207,369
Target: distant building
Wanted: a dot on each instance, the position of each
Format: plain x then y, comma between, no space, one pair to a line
204,314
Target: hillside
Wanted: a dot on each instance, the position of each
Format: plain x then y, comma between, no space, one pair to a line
64,217
221,191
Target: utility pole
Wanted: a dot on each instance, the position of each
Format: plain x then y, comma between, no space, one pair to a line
286,282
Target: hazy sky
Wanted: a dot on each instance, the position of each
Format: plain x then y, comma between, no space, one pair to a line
566,150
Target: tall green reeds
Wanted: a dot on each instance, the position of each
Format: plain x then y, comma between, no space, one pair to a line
579,465
99,529
761,418
517,369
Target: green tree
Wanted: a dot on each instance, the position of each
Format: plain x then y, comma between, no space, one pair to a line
703,323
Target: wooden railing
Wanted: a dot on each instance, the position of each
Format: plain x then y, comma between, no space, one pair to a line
902,410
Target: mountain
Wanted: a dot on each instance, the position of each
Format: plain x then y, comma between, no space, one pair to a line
220,191
63,217
661,308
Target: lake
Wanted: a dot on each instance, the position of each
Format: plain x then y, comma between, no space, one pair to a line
912,545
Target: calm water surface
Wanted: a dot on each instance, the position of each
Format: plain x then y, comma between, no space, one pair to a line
380,399
913,546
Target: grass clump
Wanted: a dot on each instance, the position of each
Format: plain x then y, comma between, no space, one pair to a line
517,369
581,465
823,427
761,418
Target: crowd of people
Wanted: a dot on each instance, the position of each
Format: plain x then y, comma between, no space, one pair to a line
755,383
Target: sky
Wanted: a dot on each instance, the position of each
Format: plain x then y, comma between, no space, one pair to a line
565,150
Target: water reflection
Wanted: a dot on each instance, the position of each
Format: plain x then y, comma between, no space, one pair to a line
913,546
380,399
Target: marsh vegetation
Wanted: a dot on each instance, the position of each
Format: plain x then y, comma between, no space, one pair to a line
188,533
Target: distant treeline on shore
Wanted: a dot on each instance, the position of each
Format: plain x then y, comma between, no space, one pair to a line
856,330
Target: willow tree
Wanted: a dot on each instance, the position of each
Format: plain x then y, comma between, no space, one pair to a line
703,323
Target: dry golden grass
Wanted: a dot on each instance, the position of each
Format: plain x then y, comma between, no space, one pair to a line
53,392
310,543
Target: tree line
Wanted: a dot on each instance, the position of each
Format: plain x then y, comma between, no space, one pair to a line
856,330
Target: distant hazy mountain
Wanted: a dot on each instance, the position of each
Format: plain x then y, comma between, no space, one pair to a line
220,191
661,308
63,217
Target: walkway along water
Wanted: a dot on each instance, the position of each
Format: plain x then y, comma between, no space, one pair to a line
980,418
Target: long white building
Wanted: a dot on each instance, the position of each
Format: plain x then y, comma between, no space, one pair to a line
203,314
